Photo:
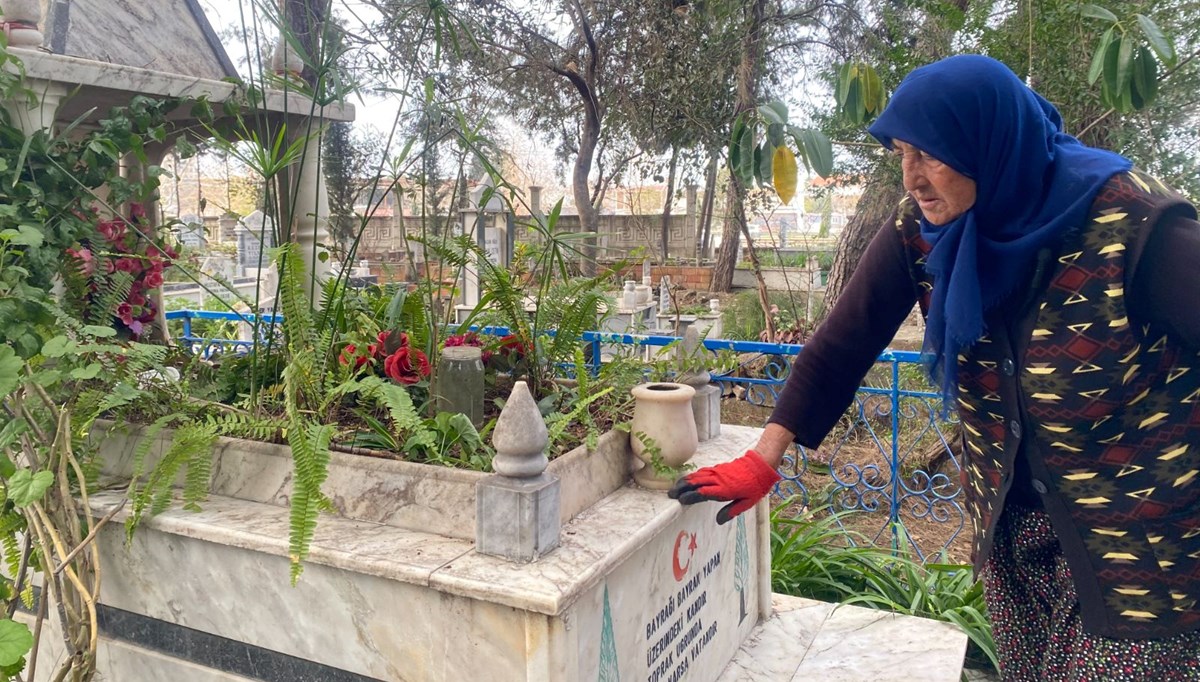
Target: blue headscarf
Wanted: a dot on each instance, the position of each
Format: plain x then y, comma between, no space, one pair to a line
1033,184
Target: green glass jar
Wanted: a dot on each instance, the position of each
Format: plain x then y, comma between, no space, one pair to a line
458,385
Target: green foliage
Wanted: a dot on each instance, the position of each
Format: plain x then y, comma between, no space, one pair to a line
1126,62
810,557
446,438
860,92
661,468
15,641
238,376
751,160
566,305
46,206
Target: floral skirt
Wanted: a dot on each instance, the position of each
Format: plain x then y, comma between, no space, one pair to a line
1035,617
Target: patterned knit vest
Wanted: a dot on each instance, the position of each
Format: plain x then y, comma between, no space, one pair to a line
1116,409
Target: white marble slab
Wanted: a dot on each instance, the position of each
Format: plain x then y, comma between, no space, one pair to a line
386,629
678,609
807,640
592,545
361,547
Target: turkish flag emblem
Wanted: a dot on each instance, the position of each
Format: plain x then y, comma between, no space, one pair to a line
681,555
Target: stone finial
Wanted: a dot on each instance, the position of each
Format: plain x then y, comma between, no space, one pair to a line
688,350
22,19
535,200
520,436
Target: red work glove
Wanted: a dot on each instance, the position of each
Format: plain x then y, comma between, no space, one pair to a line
741,483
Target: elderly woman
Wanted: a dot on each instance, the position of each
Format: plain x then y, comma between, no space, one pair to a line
1061,290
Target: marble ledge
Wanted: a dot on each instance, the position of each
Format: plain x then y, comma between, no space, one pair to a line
592,544
77,71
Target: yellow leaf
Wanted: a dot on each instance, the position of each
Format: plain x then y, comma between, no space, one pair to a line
783,172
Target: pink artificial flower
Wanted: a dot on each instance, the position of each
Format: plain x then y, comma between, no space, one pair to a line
113,230
136,327
130,265
153,279
136,299
86,261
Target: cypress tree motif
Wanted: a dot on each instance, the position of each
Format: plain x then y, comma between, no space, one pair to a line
741,565
608,647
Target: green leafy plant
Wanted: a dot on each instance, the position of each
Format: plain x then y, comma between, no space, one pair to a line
860,93
661,468
768,161
1128,63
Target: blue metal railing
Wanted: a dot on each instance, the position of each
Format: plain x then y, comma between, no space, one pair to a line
877,459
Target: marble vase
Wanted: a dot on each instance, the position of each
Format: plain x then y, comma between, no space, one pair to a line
662,414
21,18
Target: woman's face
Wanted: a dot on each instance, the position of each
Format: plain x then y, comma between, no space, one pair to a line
942,192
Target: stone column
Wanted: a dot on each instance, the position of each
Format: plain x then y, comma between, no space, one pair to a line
517,509
309,214
38,112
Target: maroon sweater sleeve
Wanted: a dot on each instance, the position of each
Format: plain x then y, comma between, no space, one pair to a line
1165,288
830,367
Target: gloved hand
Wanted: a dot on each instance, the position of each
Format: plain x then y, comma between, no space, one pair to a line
742,483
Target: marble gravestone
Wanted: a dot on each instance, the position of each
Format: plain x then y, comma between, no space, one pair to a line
638,588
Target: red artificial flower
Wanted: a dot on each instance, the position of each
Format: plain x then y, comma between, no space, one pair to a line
137,211
125,312
512,344
130,265
350,353
406,366
136,298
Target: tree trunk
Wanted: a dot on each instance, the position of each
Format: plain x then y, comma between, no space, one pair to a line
879,199
731,237
706,210
306,19
589,215
747,89
666,213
